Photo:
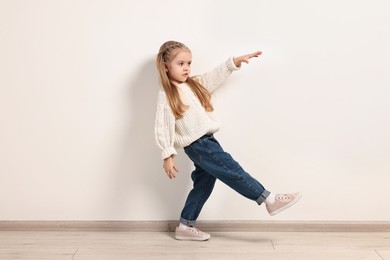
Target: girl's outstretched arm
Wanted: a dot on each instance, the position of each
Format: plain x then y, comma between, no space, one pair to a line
245,58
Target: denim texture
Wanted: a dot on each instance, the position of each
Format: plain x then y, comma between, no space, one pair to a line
212,163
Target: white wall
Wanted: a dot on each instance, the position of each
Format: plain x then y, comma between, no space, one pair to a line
78,97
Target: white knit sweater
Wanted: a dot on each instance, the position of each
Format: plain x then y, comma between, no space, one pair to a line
196,121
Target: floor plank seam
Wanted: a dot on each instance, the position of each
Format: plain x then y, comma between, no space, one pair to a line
379,255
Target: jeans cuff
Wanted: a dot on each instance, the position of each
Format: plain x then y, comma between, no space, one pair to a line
189,223
263,197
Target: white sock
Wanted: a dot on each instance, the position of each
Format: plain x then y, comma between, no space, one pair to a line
182,226
270,199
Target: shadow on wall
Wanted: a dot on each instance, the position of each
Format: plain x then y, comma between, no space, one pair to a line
143,191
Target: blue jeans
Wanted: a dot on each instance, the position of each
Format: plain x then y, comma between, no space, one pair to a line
212,163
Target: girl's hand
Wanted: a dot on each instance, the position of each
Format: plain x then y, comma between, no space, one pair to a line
170,167
245,58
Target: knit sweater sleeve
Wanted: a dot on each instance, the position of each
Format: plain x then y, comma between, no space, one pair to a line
214,79
164,127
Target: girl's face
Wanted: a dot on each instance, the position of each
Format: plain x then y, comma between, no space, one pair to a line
179,68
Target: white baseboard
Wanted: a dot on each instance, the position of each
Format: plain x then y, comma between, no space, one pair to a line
210,226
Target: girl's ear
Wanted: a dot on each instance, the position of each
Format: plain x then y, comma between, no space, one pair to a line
166,68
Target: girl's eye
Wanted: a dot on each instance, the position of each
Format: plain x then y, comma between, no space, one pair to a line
181,64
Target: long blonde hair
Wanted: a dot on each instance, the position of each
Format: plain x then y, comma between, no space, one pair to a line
167,52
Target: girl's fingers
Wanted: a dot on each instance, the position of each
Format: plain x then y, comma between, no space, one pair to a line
171,174
256,54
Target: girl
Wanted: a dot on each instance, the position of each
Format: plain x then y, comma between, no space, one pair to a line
185,119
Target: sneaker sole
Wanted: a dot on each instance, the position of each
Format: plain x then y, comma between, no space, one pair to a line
191,238
286,206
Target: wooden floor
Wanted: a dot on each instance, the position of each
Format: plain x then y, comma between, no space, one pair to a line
222,245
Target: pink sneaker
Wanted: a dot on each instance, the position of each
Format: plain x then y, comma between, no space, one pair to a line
282,202
191,234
